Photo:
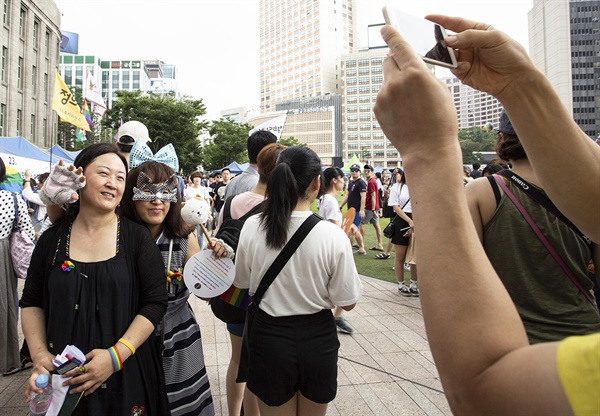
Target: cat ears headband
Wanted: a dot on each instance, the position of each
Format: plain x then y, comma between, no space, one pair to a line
140,153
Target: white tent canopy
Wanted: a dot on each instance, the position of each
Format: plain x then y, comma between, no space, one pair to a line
23,155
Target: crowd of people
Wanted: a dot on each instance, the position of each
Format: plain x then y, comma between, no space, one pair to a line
503,255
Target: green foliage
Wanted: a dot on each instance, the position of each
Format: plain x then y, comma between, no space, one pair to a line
291,141
228,143
168,120
475,139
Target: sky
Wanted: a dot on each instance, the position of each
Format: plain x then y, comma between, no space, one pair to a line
214,43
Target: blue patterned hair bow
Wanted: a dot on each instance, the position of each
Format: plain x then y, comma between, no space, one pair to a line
140,153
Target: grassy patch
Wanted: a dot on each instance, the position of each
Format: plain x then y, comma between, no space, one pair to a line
368,265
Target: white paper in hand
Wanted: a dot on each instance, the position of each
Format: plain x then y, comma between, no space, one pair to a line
207,276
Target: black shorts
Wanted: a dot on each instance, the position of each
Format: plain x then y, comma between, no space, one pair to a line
398,237
291,354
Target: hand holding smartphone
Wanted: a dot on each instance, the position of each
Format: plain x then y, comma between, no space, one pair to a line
426,38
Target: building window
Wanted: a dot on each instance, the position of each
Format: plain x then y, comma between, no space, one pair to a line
136,80
47,43
19,122
68,75
351,72
22,16
44,133
363,71
2,118
363,62
363,108
4,61
79,76
351,81
36,29
115,81
32,127
363,80
126,80
33,80
46,86
378,79
5,11
376,61
20,74
349,64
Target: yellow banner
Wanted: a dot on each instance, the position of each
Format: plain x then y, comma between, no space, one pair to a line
65,105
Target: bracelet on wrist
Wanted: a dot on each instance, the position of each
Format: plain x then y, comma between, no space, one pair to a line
127,344
116,359
26,180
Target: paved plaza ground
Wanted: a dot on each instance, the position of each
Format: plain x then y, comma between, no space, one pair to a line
385,367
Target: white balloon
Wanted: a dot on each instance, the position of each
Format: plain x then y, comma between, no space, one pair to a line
195,211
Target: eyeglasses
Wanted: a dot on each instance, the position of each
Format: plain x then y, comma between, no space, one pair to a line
367,170
354,170
219,177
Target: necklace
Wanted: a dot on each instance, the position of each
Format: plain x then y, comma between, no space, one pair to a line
68,265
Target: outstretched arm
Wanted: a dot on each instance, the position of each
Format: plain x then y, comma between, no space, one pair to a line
476,336
493,62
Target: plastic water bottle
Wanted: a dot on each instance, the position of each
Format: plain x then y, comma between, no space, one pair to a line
40,403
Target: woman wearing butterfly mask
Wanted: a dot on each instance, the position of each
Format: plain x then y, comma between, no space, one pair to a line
151,199
98,285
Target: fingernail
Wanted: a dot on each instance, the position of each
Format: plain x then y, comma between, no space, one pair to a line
451,39
383,30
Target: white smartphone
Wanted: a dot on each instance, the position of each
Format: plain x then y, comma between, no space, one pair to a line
426,38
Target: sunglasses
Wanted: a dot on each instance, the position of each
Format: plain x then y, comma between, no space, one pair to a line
367,170
354,170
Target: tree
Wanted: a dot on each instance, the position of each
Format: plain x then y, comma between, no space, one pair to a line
474,140
168,120
228,143
291,141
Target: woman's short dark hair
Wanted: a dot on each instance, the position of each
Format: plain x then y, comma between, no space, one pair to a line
173,225
83,160
2,171
196,175
508,147
267,159
329,175
494,166
297,167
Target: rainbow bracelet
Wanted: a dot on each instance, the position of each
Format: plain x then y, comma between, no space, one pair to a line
116,358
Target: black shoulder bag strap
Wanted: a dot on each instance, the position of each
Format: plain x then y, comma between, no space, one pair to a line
255,210
227,208
542,200
284,257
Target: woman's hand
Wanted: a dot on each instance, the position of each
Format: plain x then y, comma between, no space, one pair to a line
42,364
489,60
407,81
89,377
220,249
62,185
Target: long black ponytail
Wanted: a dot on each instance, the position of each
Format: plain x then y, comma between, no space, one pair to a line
296,169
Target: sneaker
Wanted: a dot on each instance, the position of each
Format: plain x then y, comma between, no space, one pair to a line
414,291
404,290
342,326
407,267
360,253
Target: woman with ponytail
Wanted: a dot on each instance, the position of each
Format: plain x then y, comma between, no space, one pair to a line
294,328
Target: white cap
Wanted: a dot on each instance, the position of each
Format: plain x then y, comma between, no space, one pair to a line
135,130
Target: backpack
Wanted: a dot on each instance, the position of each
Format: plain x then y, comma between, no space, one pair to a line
230,307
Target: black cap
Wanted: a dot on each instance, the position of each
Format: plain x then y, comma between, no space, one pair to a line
505,125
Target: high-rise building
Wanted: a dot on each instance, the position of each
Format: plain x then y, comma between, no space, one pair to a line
474,108
564,43
30,45
362,76
301,42
110,75
163,77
